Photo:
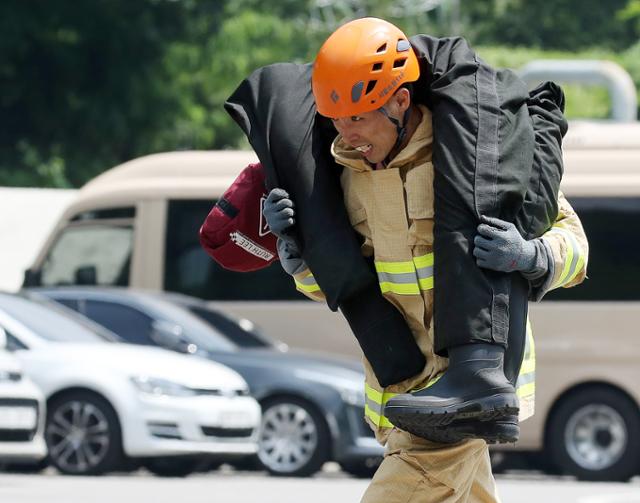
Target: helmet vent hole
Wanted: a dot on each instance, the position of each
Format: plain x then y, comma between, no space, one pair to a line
382,48
370,86
399,63
377,67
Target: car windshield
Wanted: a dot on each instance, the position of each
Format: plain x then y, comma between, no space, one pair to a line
196,330
240,332
51,322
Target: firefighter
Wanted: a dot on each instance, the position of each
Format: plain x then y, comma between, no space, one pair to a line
385,146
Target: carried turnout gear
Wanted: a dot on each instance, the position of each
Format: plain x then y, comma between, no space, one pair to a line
476,109
500,247
360,66
472,390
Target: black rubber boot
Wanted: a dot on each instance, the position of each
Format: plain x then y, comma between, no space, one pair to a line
473,399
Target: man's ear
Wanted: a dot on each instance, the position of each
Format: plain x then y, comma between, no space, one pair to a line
402,98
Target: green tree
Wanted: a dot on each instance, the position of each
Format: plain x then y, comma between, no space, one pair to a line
85,84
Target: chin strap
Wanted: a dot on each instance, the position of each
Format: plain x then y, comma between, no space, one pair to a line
401,129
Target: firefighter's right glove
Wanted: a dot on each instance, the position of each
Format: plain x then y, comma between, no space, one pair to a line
279,213
499,246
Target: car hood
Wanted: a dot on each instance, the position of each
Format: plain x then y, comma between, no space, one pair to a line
133,360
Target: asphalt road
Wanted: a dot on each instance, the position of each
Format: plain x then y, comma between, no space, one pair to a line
330,486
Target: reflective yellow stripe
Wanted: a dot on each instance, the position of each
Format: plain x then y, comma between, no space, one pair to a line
379,421
528,366
426,284
407,277
395,267
307,284
411,289
374,406
574,261
526,390
424,260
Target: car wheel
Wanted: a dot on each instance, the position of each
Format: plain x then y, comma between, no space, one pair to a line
174,466
593,435
83,434
294,438
363,468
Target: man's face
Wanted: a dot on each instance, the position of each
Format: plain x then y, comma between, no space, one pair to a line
371,133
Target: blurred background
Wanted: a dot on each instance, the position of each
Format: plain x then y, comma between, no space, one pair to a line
88,85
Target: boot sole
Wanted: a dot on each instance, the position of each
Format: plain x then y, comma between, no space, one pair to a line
490,418
505,430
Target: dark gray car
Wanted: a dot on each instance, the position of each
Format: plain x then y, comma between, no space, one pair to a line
313,406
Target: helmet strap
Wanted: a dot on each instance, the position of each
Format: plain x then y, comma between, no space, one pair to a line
401,129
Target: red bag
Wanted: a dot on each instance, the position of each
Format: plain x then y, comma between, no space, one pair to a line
235,234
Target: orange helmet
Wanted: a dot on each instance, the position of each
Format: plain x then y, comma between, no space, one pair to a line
360,66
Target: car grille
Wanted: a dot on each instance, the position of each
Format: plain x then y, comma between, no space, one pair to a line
214,431
16,435
164,430
217,392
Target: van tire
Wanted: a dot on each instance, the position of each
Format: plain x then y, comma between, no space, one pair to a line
593,434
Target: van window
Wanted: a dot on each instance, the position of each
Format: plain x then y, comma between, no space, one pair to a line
90,253
189,270
612,225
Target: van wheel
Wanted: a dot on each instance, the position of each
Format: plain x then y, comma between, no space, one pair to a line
593,435
83,434
294,438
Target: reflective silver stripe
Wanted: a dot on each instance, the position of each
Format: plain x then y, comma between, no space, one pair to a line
577,253
405,278
376,407
525,379
425,272
307,280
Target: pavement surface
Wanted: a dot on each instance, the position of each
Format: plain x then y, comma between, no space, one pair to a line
247,487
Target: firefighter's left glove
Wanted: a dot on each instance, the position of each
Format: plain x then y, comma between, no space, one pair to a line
279,213
290,257
499,246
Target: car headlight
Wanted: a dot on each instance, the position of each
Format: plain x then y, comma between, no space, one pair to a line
352,396
159,387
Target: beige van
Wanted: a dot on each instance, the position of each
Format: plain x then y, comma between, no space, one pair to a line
136,225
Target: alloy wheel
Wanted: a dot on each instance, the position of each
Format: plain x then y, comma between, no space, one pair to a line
288,438
78,436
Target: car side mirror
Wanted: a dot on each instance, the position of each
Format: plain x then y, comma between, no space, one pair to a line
32,277
3,339
86,275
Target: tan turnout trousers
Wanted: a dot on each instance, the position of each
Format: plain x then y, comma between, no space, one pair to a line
415,470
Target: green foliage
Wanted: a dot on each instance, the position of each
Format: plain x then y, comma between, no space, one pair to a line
562,24
86,85
582,101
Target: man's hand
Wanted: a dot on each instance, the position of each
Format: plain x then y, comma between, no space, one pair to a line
279,213
499,246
